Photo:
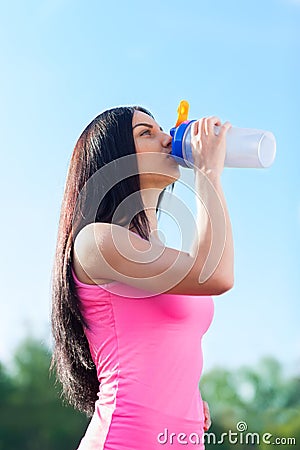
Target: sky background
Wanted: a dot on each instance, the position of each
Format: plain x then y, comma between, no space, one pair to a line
63,62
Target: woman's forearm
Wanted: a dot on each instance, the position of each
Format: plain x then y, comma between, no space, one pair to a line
214,238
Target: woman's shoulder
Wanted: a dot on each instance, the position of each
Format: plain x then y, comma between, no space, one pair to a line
84,247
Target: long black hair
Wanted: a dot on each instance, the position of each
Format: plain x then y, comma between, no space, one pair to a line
108,137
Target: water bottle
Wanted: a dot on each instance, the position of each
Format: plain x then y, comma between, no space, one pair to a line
245,147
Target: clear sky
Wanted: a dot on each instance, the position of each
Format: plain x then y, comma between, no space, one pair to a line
63,62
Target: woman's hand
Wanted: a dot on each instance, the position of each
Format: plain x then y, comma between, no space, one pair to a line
207,421
209,148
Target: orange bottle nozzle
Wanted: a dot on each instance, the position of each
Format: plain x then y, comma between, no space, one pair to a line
183,111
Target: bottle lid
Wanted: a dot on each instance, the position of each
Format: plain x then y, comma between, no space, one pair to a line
178,131
182,111
177,134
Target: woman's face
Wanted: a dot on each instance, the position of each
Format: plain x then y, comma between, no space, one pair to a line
157,169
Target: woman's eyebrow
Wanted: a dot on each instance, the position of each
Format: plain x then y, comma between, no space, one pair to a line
145,125
142,124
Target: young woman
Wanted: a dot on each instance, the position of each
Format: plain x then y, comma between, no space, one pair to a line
128,312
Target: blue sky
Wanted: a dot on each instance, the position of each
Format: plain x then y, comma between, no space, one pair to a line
63,62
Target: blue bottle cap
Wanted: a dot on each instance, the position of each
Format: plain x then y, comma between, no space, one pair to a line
177,134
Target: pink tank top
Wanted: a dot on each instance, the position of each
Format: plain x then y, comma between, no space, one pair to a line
147,351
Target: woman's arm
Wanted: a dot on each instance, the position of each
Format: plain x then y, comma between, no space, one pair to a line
113,252
214,234
216,240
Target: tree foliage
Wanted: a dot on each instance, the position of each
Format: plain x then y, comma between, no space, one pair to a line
260,397
32,416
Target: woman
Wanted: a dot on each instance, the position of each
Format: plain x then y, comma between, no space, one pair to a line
128,312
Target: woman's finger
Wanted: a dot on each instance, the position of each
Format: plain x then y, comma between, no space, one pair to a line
196,127
224,128
213,121
204,129
207,420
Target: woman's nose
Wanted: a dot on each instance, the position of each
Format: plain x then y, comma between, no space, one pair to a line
167,140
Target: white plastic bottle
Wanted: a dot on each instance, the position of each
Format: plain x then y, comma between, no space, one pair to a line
245,147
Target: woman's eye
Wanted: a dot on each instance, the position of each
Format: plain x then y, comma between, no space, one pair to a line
145,132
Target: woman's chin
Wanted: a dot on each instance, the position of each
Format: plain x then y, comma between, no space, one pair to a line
166,180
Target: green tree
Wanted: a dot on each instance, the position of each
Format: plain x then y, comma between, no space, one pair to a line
261,397
32,416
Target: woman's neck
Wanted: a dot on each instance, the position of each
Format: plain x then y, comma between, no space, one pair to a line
150,199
